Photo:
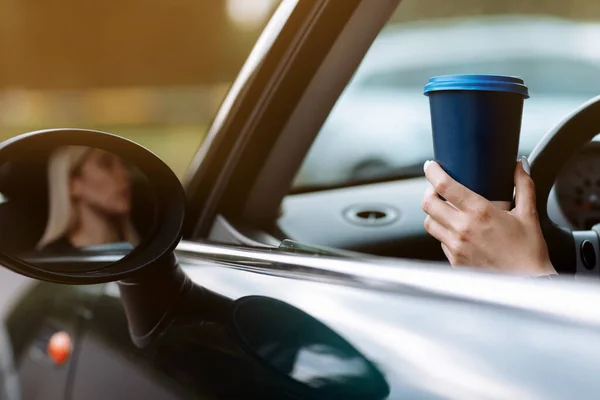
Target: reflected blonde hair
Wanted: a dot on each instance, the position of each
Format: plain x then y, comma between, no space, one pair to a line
63,164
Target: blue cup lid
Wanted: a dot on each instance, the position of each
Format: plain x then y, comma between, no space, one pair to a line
491,83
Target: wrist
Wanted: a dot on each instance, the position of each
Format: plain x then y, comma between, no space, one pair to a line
544,269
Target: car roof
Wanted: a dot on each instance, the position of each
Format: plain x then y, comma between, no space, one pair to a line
430,42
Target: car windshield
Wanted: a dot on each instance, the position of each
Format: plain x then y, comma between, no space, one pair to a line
380,127
155,72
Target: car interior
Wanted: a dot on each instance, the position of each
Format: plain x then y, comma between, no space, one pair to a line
393,225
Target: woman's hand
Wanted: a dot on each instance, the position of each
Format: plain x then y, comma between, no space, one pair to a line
474,232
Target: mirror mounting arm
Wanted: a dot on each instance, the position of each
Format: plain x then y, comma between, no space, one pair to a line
168,298
150,302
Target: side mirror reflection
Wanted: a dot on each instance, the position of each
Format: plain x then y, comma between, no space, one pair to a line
293,343
70,201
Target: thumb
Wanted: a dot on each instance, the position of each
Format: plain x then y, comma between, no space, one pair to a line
524,189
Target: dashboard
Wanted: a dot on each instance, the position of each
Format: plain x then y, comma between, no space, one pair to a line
386,218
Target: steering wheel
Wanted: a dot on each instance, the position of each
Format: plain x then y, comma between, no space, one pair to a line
570,251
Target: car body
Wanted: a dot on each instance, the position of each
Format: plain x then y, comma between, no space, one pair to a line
433,332
381,125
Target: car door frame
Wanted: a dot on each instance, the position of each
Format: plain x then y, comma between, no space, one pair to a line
293,77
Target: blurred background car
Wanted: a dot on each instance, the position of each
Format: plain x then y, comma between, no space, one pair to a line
380,127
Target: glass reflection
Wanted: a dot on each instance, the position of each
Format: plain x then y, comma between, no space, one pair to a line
319,363
74,207
299,346
89,200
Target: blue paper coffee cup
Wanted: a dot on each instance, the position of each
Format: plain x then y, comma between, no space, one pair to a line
476,123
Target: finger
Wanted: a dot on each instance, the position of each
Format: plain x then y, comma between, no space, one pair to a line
439,210
436,230
524,189
448,254
451,190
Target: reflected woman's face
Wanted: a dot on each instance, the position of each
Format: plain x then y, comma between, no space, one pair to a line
103,183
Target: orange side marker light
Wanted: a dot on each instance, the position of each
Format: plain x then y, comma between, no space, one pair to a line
60,347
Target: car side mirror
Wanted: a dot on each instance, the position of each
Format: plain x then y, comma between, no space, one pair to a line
87,207
84,207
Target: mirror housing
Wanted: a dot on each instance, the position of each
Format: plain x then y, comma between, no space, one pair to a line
142,268
154,253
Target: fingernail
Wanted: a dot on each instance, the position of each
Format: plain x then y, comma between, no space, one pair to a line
525,164
426,165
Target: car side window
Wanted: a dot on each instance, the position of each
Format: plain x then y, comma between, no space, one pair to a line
380,127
